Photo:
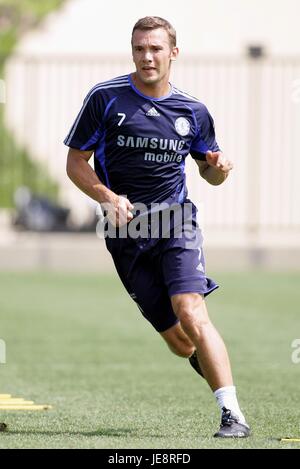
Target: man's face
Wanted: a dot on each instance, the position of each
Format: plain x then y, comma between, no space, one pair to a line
152,54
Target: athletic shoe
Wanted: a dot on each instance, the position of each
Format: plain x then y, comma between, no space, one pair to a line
230,426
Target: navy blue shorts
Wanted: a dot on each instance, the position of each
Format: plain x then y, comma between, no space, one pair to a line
153,270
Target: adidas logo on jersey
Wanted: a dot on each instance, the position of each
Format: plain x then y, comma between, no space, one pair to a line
152,112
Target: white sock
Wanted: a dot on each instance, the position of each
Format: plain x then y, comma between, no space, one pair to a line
226,397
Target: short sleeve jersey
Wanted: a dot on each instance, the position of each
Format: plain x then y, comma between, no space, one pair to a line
140,143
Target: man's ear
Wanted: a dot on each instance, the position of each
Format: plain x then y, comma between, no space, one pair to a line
174,53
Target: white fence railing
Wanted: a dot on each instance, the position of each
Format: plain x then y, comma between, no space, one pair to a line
255,105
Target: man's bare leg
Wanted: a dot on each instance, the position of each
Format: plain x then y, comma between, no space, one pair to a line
213,358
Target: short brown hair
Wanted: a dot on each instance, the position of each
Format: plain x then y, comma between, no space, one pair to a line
154,22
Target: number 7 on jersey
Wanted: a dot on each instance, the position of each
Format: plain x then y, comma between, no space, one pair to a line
122,115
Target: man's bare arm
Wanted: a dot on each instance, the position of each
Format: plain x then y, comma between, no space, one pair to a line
215,169
85,178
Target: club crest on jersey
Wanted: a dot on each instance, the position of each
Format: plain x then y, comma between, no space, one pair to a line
182,126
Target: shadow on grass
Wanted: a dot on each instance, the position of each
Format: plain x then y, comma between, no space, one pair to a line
100,432
113,432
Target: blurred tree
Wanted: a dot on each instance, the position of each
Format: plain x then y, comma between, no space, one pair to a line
16,167
17,17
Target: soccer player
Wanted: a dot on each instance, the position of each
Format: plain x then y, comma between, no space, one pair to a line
140,129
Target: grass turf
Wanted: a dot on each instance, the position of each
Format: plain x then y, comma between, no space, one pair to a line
78,342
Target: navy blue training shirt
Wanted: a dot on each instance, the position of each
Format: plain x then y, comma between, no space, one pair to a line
140,143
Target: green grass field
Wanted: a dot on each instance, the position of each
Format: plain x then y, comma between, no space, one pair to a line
78,342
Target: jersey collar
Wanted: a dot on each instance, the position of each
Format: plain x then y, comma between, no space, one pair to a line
149,97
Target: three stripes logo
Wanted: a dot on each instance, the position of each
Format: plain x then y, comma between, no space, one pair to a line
152,112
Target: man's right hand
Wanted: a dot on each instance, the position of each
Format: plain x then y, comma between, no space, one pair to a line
118,210
117,207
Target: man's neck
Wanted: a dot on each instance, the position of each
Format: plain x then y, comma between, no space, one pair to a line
155,90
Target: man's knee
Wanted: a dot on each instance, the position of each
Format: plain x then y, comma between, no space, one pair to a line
191,319
181,350
178,342
191,311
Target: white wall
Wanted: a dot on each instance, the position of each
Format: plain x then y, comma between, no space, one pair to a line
257,112
203,27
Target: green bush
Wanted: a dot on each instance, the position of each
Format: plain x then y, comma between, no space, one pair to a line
18,169
16,166
16,17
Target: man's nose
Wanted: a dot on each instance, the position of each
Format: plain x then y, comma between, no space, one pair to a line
148,56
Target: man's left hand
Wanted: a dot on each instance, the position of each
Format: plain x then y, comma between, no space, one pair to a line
218,161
